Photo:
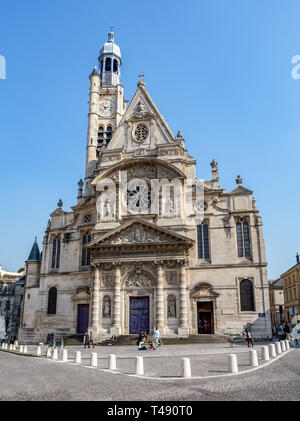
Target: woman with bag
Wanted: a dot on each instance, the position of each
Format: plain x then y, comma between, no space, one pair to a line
248,338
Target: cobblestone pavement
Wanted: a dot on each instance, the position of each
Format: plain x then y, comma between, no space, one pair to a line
25,378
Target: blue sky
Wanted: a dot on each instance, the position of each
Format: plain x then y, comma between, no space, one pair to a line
220,71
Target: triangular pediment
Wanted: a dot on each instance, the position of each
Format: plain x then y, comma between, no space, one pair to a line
139,232
240,190
57,212
142,126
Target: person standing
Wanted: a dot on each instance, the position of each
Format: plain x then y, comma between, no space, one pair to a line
156,336
48,339
92,339
199,326
87,339
248,338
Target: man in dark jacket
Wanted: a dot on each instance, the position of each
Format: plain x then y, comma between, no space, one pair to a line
87,339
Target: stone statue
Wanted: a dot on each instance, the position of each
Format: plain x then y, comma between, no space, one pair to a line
108,209
172,307
106,308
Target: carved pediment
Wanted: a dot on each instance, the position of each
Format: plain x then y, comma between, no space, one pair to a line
82,293
137,232
203,290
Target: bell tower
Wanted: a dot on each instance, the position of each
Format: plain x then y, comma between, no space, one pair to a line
106,106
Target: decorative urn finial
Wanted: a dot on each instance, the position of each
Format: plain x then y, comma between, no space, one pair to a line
179,135
60,203
238,180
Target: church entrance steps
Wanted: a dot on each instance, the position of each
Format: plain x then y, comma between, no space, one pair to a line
192,339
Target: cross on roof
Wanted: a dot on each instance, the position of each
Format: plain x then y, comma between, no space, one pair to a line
141,75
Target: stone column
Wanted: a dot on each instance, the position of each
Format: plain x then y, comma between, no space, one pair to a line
96,298
183,329
116,329
160,323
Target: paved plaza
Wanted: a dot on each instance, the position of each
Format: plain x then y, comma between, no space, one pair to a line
29,378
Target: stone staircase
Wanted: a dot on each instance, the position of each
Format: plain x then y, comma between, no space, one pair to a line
192,339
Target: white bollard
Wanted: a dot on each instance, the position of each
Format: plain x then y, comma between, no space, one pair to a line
14,347
232,363
278,347
186,367
265,353
253,361
54,355
287,344
282,344
2,345
272,350
78,357
64,356
139,366
10,347
94,359
48,352
25,349
39,351
5,346
21,349
112,362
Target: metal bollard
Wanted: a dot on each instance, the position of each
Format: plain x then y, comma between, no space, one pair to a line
64,356
278,347
272,350
39,351
54,355
112,362
232,363
48,352
94,359
25,349
282,344
253,361
265,353
21,349
139,366
78,357
186,367
287,344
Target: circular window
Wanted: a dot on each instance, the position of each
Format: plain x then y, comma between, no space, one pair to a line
141,133
201,206
87,219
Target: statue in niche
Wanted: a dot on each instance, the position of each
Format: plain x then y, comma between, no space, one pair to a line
106,309
172,307
108,209
169,206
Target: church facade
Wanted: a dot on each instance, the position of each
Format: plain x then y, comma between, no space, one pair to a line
148,243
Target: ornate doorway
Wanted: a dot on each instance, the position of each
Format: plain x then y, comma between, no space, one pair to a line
82,318
205,317
139,315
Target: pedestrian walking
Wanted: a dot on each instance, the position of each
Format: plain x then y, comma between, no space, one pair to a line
62,344
156,336
87,339
51,338
248,338
48,339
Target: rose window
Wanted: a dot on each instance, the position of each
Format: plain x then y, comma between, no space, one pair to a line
141,133
138,196
87,219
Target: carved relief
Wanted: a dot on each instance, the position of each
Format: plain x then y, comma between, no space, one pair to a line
107,280
138,280
171,277
164,173
146,171
138,235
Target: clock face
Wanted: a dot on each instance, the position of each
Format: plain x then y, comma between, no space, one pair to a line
106,107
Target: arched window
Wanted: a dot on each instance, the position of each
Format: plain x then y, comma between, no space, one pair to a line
172,311
52,299
55,252
243,238
85,255
108,64
100,136
246,295
115,66
108,134
203,241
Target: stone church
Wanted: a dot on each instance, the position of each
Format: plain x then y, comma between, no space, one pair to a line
147,243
